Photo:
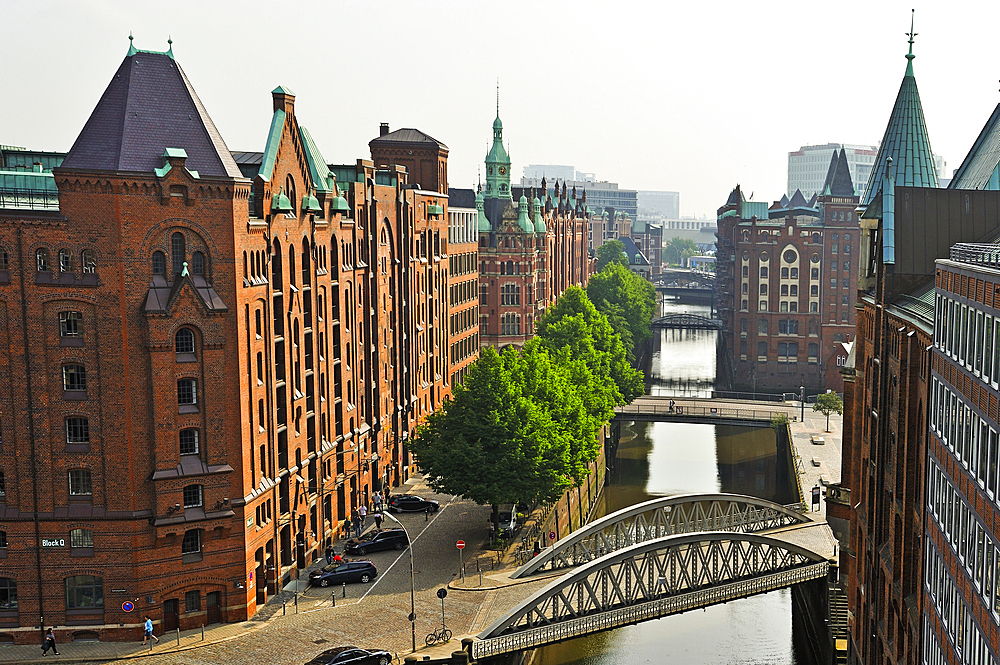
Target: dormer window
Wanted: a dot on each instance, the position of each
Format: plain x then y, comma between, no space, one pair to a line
159,263
198,264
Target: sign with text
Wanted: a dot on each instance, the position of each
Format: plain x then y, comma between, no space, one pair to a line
53,542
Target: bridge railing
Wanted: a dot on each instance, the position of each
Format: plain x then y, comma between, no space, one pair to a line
688,411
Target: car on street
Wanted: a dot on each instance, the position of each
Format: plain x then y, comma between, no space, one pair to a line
508,522
352,656
348,571
408,503
375,541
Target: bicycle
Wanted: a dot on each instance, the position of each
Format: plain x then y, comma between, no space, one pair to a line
442,636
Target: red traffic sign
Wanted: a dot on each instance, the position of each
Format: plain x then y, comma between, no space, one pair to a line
552,535
127,606
460,544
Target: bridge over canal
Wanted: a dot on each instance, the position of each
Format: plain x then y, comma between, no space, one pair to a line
688,321
650,561
651,408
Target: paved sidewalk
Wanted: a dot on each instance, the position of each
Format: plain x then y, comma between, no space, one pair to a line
301,621
820,463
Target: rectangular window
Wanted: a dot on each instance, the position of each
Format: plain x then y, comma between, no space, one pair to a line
81,538
69,324
833,283
187,391
192,601
193,496
77,431
79,482
84,592
191,544
189,442
3,486
74,378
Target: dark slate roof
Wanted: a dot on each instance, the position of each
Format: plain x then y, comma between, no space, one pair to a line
634,254
734,196
838,178
461,198
407,135
905,141
150,106
797,200
979,165
783,202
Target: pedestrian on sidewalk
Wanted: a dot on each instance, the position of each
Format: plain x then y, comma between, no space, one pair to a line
377,501
378,519
363,512
49,643
357,525
329,554
148,631
387,494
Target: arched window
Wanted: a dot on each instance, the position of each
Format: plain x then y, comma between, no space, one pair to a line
306,267
159,263
177,251
198,264
291,265
74,378
65,260
8,588
276,266
193,496
42,260
184,342
188,440
89,261
84,592
290,190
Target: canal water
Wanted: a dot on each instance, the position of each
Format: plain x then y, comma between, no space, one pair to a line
657,459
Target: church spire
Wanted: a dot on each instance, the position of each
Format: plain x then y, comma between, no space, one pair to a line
909,56
498,162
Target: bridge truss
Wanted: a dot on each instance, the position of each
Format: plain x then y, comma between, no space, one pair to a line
650,580
666,516
690,321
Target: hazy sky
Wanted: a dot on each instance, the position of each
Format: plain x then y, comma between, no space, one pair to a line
686,96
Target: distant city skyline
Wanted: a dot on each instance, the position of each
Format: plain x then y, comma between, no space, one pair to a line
677,129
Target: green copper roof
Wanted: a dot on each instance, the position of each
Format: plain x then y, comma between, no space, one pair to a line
132,50
539,222
311,204
282,90
522,215
318,170
340,205
484,224
271,149
280,203
981,167
434,209
905,141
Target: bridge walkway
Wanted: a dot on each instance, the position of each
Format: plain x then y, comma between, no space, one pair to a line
698,410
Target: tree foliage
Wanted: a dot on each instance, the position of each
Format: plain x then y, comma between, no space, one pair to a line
677,249
612,251
828,403
627,300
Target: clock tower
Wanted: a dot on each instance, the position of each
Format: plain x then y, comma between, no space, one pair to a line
497,166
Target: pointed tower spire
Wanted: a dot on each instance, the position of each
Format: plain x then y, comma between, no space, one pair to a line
905,140
909,56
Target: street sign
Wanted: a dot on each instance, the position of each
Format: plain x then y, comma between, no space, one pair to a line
412,617
442,593
552,535
460,544
128,606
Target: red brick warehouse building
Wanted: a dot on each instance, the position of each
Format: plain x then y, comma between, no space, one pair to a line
208,361
787,279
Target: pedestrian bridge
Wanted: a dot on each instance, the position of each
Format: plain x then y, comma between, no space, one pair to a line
653,560
687,321
711,411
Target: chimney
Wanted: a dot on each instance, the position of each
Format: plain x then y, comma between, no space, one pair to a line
383,129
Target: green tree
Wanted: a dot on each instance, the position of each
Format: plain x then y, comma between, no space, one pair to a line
678,249
827,403
627,299
493,442
612,251
573,324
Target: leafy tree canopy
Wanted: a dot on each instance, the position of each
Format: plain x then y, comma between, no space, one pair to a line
612,251
627,299
678,249
828,403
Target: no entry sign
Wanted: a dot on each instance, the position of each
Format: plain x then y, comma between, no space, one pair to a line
460,544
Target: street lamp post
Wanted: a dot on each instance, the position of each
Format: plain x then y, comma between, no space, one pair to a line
802,403
413,611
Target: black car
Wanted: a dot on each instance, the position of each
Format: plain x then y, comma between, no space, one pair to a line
407,503
352,656
348,571
374,541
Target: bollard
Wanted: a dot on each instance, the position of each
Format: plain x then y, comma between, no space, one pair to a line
427,514
333,598
150,645
296,602
283,608
345,589
178,636
480,577
202,632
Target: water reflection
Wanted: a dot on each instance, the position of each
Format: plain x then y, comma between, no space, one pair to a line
657,459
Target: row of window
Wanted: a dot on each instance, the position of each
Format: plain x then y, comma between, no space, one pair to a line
788,352
64,261
463,292
969,336
785,327
78,539
968,437
974,549
71,326
464,348
463,320
77,430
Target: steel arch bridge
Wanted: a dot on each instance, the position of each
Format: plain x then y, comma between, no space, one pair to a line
651,580
666,516
686,321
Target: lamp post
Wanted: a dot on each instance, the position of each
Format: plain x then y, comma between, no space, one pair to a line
413,612
802,403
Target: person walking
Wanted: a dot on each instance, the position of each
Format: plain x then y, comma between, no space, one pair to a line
363,512
377,501
357,525
49,643
378,519
329,554
147,631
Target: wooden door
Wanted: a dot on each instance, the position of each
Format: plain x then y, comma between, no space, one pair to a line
214,611
171,614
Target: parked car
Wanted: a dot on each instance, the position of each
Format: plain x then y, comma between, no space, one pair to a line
375,541
508,523
352,656
407,503
348,571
